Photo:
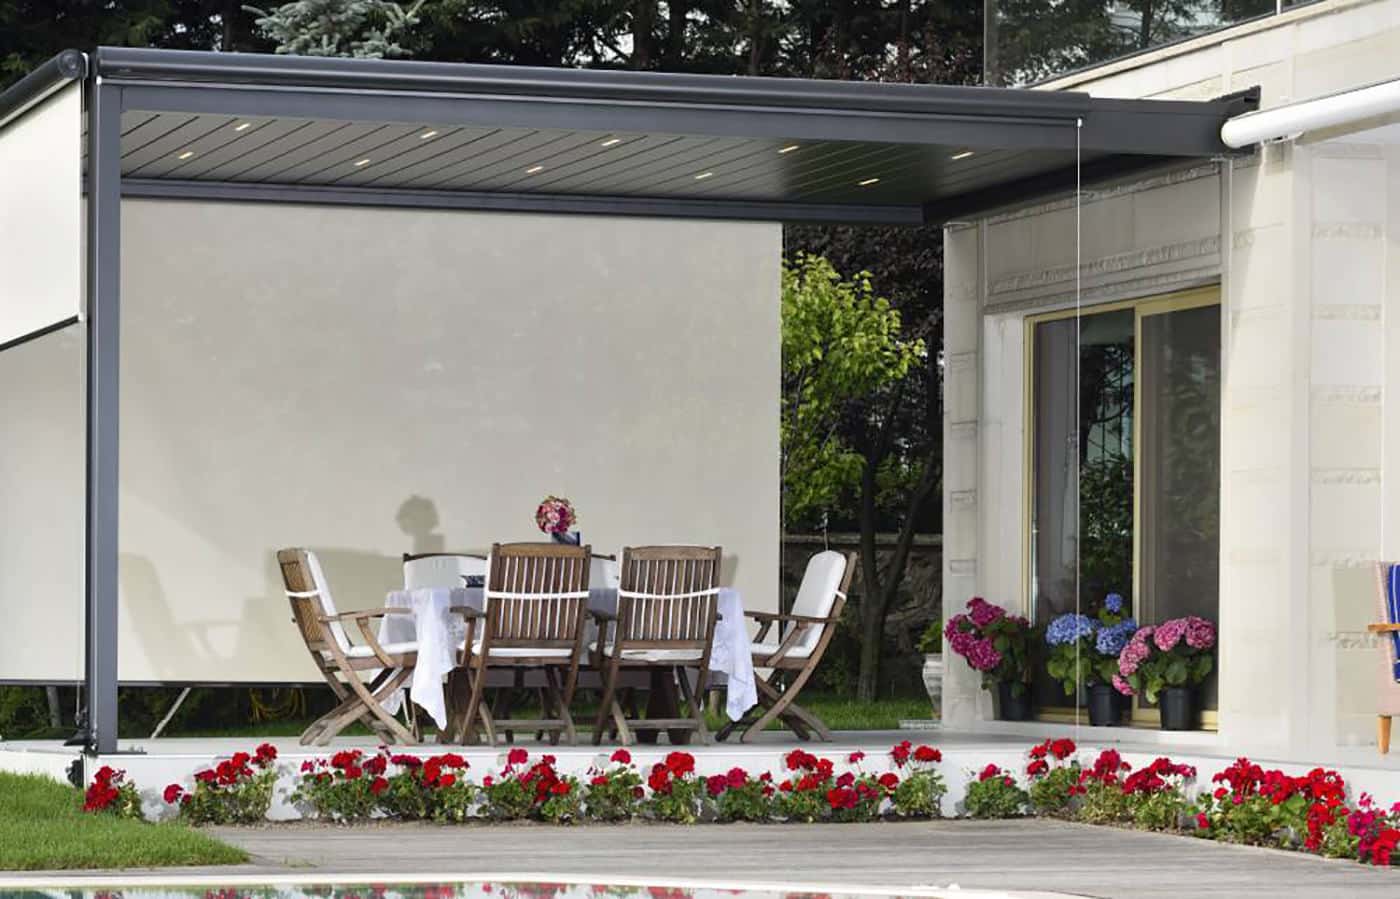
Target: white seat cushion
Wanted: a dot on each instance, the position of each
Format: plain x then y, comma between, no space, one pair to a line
764,650
393,649
523,652
816,596
653,655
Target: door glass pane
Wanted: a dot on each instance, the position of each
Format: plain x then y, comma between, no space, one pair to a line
1082,395
1180,475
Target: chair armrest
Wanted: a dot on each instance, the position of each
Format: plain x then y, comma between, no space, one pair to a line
770,617
467,612
602,615
1383,628
363,613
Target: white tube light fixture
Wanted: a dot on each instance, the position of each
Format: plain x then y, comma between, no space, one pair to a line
1295,119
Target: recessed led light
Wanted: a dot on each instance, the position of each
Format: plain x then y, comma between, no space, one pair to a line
703,175
788,149
868,181
963,155
427,134
242,126
360,162
612,141
534,169
185,155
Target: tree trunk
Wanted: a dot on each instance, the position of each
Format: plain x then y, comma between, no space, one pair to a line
643,22
991,59
755,36
55,713
676,13
1145,29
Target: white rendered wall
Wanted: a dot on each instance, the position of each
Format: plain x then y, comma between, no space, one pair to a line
41,231
1305,241
370,382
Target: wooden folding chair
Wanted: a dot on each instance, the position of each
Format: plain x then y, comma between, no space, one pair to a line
667,605
341,662
806,632
535,617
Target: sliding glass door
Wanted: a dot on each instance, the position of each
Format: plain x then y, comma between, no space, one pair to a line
1124,462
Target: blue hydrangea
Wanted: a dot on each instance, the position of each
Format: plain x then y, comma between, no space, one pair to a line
1113,638
1113,602
1070,627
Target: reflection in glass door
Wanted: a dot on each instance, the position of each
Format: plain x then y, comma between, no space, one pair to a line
1124,464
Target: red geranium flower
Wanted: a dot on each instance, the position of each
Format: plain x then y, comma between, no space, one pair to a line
378,785
517,756
927,754
716,784
173,793
622,757
680,763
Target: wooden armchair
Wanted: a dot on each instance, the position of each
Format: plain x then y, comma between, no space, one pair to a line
1388,628
667,606
804,636
341,662
535,617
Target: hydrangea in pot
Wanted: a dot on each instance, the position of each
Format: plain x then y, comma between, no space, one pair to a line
1169,660
1084,655
995,644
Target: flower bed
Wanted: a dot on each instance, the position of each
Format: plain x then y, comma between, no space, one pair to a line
1244,803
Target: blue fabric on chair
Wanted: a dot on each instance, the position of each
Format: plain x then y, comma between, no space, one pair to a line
1392,610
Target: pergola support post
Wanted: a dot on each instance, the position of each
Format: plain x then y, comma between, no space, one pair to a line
103,370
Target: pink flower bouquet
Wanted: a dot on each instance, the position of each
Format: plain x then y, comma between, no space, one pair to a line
1175,653
556,517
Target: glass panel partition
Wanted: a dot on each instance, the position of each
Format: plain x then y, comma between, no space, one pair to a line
1033,40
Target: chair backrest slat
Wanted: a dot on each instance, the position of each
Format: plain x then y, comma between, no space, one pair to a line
536,595
668,596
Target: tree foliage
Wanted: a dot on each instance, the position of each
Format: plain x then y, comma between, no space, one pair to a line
365,29
840,344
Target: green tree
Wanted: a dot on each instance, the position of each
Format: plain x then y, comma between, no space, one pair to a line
368,29
843,344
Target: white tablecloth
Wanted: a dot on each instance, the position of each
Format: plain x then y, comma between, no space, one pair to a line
440,633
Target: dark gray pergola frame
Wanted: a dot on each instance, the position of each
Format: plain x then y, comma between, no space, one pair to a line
1128,135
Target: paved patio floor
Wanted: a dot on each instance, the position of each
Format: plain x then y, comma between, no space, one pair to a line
1029,855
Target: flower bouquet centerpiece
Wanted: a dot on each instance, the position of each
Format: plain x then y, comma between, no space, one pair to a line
995,644
1084,655
1169,660
557,518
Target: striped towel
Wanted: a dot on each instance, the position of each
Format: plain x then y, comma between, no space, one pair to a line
1392,614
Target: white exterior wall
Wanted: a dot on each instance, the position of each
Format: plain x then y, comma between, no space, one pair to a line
368,382
1304,240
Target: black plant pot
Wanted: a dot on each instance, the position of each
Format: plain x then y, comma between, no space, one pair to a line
1178,708
1010,705
1105,709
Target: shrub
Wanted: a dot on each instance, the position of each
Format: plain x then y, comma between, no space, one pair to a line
536,791
1155,795
1373,833
994,794
994,643
1175,653
615,793
738,797
676,792
112,794
803,795
920,793
1102,800
1053,776
418,790
238,790
345,787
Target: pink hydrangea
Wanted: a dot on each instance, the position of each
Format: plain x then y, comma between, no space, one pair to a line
1136,652
982,612
983,656
1200,633
1122,686
961,641
954,626
1169,633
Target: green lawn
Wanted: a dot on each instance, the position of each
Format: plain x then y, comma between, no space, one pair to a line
839,713
43,827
